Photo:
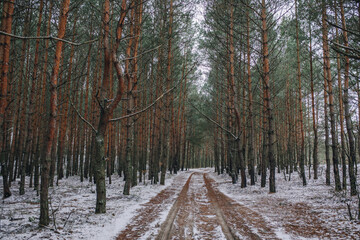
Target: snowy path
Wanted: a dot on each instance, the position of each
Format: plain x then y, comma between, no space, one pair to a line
200,211
205,207
196,204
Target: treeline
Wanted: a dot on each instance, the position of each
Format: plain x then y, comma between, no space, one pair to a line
284,89
92,89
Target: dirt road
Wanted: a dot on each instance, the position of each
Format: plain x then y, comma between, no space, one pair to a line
199,212
194,208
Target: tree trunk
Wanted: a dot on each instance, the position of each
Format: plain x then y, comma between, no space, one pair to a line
352,159
315,149
8,9
49,137
331,101
167,112
341,109
268,105
106,108
302,146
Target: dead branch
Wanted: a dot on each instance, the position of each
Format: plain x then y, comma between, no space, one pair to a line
49,37
82,118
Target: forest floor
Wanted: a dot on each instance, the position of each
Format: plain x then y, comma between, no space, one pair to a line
196,204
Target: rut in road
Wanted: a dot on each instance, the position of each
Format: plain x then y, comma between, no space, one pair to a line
148,216
194,215
203,212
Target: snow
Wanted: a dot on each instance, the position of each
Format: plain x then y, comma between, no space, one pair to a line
73,204
316,198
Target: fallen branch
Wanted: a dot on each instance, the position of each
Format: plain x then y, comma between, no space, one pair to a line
72,211
349,211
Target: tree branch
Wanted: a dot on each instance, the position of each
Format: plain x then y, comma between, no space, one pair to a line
213,121
49,37
143,53
156,100
143,110
82,118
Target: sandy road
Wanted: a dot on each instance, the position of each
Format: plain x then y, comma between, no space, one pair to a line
199,211
203,212
194,208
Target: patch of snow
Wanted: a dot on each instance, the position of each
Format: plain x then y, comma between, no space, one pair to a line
73,209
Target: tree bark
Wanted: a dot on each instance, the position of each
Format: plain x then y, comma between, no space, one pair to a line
268,105
331,100
167,113
341,109
8,9
352,159
49,137
302,144
315,149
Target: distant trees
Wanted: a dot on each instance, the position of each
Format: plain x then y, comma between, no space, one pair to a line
280,45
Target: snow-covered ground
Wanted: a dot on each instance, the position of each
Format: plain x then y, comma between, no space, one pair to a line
73,209
314,210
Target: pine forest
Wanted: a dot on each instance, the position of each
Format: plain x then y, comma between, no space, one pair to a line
180,119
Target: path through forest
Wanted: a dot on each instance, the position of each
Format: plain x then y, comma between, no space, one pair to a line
201,211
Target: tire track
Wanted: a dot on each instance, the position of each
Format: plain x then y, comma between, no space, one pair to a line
242,222
142,222
195,209
167,226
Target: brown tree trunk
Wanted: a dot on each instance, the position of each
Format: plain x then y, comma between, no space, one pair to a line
136,96
167,112
24,93
341,109
315,149
268,105
130,105
326,119
49,137
41,103
251,156
352,159
106,108
8,9
331,100
302,143
233,109
31,134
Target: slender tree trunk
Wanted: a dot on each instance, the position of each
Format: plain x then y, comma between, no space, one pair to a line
8,9
268,105
24,93
130,105
315,149
137,136
167,112
326,119
352,159
87,132
49,137
341,109
251,156
302,146
331,101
